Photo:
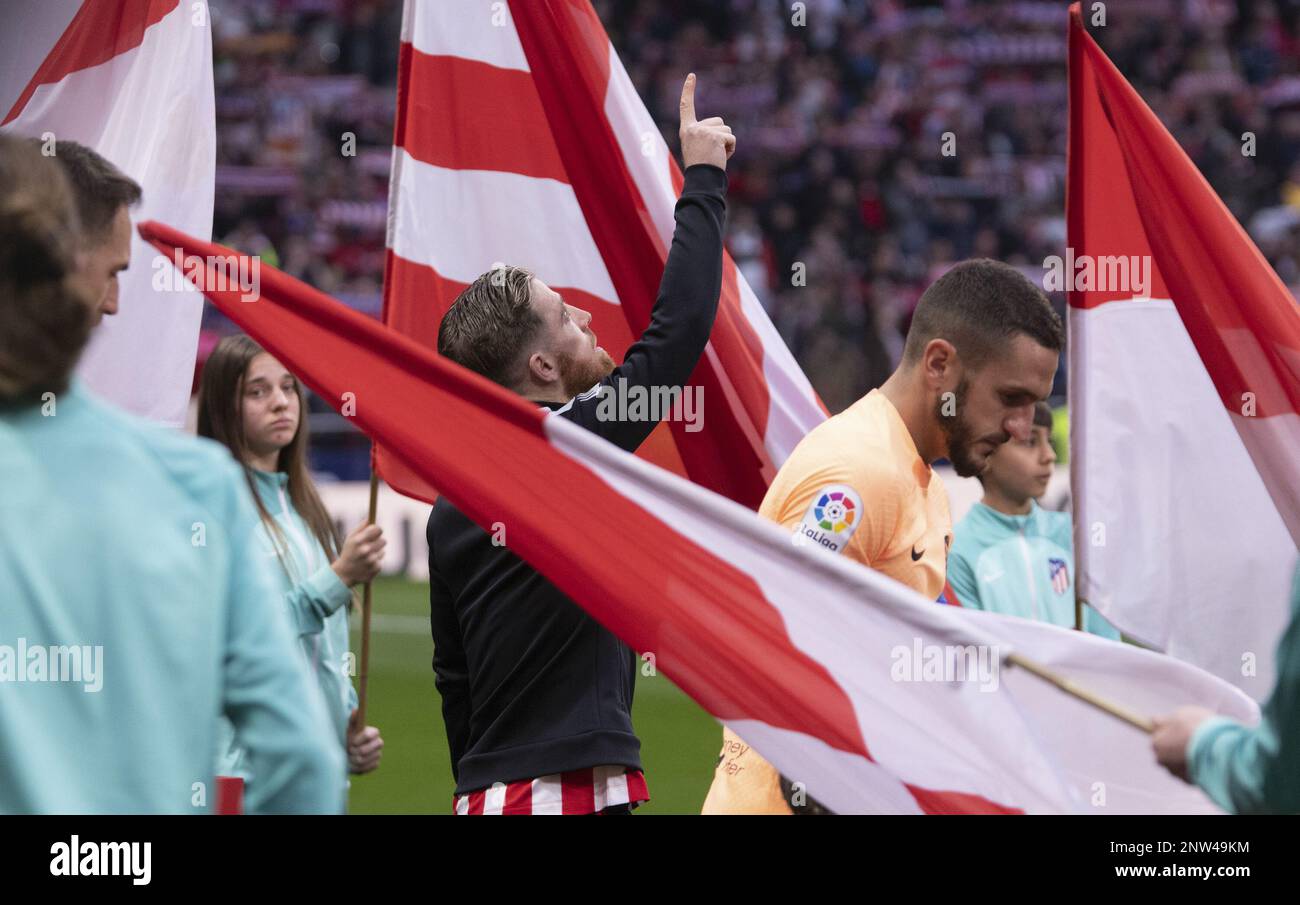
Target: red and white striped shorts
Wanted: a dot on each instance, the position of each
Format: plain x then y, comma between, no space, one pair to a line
587,791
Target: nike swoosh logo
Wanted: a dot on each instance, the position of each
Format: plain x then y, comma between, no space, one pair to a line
916,556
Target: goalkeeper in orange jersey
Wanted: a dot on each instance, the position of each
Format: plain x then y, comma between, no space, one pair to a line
983,348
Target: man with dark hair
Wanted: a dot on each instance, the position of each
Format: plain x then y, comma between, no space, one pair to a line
89,564
103,196
982,349
536,695
1010,555
981,309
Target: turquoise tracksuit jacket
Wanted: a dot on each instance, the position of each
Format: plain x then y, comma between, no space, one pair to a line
1019,565
316,601
134,608
1257,770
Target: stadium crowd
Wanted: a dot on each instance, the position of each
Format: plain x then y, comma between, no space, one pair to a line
844,117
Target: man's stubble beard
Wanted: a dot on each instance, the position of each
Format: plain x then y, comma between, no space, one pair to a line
960,437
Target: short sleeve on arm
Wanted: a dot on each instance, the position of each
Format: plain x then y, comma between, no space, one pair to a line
849,510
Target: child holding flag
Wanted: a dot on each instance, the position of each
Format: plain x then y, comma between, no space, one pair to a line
249,402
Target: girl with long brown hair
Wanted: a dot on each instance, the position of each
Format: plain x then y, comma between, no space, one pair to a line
252,404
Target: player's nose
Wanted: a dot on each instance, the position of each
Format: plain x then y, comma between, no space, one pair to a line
108,304
1019,423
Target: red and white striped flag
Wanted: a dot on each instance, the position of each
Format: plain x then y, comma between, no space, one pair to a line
132,80
520,139
1184,392
855,686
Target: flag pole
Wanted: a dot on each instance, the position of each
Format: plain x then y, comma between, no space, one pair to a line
365,611
1078,609
1083,694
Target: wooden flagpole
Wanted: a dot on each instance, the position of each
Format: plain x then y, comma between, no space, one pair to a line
365,612
1071,688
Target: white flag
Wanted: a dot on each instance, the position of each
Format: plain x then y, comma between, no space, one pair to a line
133,81
871,696
1184,393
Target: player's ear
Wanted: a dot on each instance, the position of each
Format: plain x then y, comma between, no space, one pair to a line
543,368
939,363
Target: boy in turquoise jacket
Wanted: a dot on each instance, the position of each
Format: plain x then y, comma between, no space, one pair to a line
1009,555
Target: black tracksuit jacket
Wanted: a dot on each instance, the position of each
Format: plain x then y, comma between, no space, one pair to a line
531,685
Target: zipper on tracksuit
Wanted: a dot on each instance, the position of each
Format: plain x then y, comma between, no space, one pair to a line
305,549
1029,573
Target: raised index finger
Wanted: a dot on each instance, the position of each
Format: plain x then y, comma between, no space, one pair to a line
688,101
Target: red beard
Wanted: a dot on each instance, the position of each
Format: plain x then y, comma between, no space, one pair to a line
578,377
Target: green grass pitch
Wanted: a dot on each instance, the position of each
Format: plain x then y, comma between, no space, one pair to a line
679,741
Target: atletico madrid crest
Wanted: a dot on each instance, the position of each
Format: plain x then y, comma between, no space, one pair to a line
1060,573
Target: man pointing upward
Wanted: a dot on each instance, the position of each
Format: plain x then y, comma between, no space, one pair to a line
536,695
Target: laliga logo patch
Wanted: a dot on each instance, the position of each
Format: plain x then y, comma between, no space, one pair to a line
830,521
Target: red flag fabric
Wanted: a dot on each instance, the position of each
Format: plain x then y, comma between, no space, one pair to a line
845,680
1184,392
520,139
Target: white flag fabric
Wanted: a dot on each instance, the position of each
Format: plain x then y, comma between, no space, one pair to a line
873,697
133,81
1184,393
520,138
